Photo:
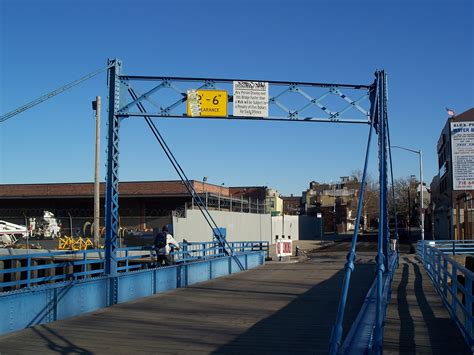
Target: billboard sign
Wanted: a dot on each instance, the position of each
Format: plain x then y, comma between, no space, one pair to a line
462,149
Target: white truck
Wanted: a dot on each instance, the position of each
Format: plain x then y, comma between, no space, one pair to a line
9,233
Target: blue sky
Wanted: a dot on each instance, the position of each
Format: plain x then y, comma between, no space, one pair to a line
425,46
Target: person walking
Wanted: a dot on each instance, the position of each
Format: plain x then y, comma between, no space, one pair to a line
164,244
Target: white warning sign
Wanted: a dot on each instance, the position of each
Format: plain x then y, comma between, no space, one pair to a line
250,99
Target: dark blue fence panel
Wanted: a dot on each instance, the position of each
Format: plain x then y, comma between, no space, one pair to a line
19,311
197,272
81,298
234,267
166,278
253,260
135,285
220,267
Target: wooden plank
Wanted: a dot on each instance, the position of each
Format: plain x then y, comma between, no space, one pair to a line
417,321
280,307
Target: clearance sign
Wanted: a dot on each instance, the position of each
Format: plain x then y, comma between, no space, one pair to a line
207,103
284,247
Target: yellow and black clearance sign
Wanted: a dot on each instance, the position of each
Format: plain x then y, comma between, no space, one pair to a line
207,103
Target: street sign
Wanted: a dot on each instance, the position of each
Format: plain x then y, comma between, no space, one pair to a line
207,103
250,99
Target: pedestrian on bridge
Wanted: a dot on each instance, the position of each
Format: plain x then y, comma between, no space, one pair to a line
164,245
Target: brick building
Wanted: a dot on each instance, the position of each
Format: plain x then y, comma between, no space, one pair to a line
336,202
451,213
292,205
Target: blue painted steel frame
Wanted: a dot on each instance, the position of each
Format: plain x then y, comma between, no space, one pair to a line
383,234
360,339
381,290
118,111
377,94
112,179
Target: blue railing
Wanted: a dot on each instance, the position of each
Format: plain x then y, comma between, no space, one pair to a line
451,279
198,250
25,270
360,339
47,303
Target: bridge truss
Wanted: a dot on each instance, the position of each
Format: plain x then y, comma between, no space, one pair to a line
166,97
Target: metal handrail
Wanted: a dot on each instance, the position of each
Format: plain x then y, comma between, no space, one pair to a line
452,281
19,270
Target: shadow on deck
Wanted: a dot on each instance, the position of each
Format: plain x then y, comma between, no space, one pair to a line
417,321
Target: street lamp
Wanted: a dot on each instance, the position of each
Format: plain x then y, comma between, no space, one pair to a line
96,108
334,208
422,215
219,199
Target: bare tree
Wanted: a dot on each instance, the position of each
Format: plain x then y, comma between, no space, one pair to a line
405,198
370,202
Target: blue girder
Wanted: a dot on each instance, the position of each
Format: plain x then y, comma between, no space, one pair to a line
112,179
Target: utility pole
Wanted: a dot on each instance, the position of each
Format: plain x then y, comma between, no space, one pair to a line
409,214
334,210
422,214
96,107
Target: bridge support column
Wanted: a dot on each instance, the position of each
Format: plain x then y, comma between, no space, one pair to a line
383,234
111,190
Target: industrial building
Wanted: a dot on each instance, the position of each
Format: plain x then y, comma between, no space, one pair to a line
143,205
245,211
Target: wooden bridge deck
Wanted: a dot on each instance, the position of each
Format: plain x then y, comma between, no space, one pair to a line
417,321
277,308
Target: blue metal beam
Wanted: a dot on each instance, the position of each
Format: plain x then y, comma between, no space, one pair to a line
302,83
111,192
285,119
382,255
337,331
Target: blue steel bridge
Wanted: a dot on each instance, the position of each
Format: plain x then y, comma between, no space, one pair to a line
356,296
206,304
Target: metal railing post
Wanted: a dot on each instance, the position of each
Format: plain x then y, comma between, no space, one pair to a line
445,277
454,289
468,305
28,267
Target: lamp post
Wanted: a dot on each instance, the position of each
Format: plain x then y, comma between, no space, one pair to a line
334,209
96,108
422,214
204,179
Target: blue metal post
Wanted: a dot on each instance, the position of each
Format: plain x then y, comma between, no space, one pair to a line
111,190
386,226
382,255
337,330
